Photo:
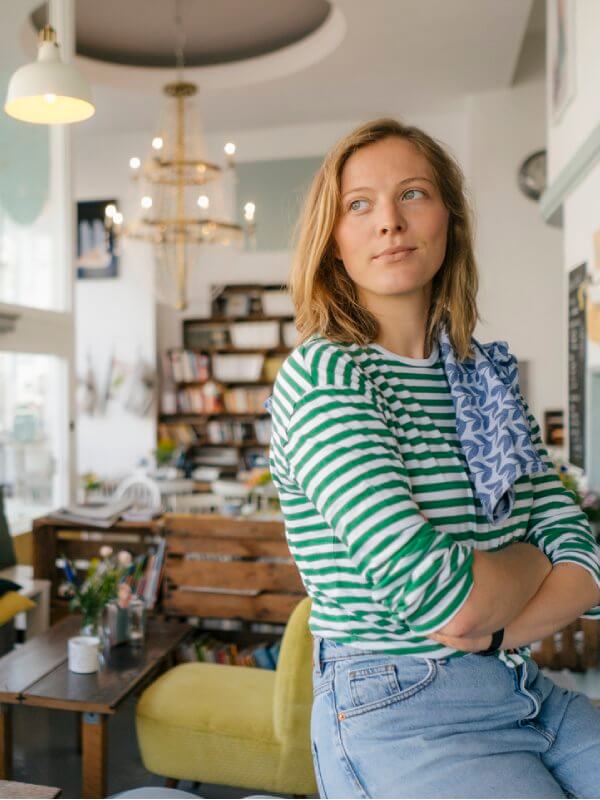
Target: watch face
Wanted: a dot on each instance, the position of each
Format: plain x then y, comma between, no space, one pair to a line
532,175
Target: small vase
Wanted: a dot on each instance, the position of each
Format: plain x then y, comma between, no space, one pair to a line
93,626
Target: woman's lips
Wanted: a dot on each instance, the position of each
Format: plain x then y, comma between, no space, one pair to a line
399,255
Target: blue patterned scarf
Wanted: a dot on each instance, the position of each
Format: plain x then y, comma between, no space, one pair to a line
491,423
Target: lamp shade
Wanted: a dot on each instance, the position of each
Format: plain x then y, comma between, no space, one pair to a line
49,92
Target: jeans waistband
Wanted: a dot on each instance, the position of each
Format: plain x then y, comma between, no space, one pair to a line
326,650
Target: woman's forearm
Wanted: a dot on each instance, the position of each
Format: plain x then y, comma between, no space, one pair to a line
505,581
567,592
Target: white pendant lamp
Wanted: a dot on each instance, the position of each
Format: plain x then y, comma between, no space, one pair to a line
48,91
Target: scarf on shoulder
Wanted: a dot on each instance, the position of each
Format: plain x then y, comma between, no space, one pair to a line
491,422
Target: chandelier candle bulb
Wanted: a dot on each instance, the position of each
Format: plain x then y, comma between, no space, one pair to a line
203,201
157,143
230,153
110,210
249,210
146,202
135,162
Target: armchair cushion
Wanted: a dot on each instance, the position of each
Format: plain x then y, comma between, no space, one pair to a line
227,700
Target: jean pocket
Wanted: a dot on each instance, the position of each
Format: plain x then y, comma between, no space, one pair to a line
379,685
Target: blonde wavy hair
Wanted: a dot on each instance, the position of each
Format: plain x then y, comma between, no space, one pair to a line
326,299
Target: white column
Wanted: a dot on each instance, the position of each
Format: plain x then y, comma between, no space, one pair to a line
62,19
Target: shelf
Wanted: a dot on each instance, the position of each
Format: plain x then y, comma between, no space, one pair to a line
238,351
250,318
200,417
225,383
248,443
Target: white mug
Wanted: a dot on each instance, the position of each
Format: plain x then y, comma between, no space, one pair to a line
84,654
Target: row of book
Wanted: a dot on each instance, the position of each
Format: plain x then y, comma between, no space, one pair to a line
218,431
182,433
186,366
199,400
206,648
247,400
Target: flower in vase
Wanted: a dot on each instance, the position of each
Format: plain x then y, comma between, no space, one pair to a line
124,558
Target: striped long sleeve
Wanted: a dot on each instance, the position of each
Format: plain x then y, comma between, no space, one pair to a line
344,458
556,524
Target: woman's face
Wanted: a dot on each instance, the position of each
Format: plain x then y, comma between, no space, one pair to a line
390,201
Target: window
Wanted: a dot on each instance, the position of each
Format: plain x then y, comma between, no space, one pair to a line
33,462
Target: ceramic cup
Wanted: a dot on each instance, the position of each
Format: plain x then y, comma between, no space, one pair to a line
84,654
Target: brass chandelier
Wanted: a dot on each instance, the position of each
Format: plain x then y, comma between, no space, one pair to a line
185,201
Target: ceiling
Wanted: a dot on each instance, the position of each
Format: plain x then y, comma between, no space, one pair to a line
212,32
365,59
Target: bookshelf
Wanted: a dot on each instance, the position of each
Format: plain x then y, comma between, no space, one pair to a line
214,387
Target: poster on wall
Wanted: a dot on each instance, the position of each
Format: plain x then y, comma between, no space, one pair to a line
97,255
561,55
577,364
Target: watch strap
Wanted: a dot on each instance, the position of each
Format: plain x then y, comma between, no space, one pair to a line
497,638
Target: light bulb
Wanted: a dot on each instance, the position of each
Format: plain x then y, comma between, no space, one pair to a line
229,148
146,201
117,218
157,143
134,162
50,98
249,210
203,201
110,211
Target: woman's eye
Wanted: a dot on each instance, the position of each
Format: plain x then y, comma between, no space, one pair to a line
412,191
353,205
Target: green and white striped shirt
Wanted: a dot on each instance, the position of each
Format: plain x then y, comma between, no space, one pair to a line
380,515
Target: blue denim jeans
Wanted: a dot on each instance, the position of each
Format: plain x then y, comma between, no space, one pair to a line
400,726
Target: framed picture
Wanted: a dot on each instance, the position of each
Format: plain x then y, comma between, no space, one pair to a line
554,428
561,55
97,255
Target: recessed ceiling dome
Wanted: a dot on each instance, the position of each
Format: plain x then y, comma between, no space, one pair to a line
142,33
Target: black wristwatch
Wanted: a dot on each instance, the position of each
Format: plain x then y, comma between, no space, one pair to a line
497,638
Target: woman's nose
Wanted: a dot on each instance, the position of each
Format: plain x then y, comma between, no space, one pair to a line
391,219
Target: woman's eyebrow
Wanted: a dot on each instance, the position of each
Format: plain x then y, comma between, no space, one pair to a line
406,180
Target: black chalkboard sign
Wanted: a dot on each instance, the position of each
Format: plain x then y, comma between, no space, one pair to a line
577,364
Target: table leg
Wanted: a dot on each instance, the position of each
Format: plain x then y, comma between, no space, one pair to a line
78,727
5,741
94,743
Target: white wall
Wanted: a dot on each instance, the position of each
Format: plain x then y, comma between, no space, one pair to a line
581,208
520,258
113,315
582,114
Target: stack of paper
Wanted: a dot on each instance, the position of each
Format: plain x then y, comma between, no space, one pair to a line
101,515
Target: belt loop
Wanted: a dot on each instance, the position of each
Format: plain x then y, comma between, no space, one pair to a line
317,665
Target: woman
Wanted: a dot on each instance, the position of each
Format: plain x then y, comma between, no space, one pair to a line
428,524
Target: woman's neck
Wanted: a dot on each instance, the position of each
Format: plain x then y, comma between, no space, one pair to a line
402,323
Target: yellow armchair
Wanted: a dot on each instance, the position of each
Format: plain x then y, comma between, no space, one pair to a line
232,725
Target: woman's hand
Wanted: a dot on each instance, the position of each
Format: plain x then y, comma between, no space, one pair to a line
464,643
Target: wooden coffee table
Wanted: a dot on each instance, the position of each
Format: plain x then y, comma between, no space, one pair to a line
37,674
